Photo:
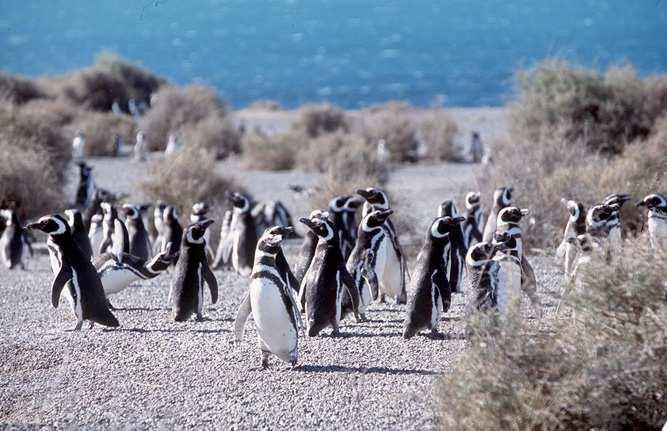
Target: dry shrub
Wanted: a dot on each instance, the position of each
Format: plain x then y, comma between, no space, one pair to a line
274,153
55,113
214,134
265,105
437,130
19,90
139,83
605,370
316,120
394,124
100,130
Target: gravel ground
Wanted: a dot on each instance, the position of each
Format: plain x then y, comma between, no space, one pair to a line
154,373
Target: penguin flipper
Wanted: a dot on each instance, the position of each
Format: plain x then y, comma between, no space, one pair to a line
439,278
211,281
118,240
241,317
352,290
64,275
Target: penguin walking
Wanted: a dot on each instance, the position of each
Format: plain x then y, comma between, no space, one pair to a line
139,241
326,281
75,274
271,302
79,234
457,249
243,235
223,255
114,233
502,198
172,232
429,283
13,240
192,271
86,187
656,204
472,226
392,277
343,210
199,213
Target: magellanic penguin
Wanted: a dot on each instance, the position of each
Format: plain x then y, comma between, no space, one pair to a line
472,226
14,239
75,274
326,281
457,248
223,256
199,213
600,219
656,204
172,232
192,271
139,240
392,277
271,213
306,253
244,235
158,223
114,232
96,233
369,257
343,210
576,225
614,223
79,233
86,188
483,273
502,198
271,302
429,282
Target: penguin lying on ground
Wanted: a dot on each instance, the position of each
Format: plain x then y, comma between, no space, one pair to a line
502,198
576,225
75,274
656,204
343,210
192,271
474,222
139,239
79,233
429,281
243,235
13,240
271,302
457,249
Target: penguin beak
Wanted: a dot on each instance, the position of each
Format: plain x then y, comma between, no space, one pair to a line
640,204
33,226
308,222
364,194
385,214
204,224
287,231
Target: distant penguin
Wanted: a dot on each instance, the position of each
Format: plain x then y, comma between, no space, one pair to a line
75,274
14,239
223,255
192,271
99,196
472,226
270,300
343,210
326,281
576,225
429,284
502,198
656,204
114,232
199,212
158,241
457,249
79,234
307,251
140,243
140,148
79,146
392,278
172,231
244,235
86,187
173,146
271,213
96,234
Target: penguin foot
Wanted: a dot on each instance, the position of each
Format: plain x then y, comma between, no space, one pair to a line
91,325
335,333
265,361
78,326
199,318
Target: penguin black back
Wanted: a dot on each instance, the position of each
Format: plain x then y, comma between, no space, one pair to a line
79,232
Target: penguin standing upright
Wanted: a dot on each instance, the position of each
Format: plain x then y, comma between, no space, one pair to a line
614,225
192,271
140,244
392,277
270,213
199,213
244,235
79,234
343,210
502,198
457,249
307,250
271,302
75,274
587,247
326,281
223,256
172,232
656,204
429,282
114,232
158,223
14,239
576,225
86,188
483,273
472,226
96,233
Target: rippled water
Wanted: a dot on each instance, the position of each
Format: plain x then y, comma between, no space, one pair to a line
351,52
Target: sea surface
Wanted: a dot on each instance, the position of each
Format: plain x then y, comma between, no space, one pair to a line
349,52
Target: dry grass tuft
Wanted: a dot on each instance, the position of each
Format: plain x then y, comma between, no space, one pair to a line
394,124
317,120
437,130
273,153
100,129
18,90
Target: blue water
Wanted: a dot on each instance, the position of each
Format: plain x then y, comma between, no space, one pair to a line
349,52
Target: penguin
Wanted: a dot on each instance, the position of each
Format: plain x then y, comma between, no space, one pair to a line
483,273
79,146
223,254
429,282
140,148
199,213
587,248
158,241
271,302
600,220
656,204
307,249
75,274
392,278
114,232
271,213
172,232
86,188
244,235
79,233
457,249
369,256
140,245
95,234
99,196
472,226
576,225
614,225
502,198
343,210
13,240
192,271
326,281
508,277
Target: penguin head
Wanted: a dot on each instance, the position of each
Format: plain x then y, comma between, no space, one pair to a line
479,254
473,199
195,232
654,201
345,203
511,215
502,197
576,209
272,238
318,213
448,208
616,199
109,211
9,217
169,214
131,212
53,225
375,219
200,208
598,216
374,196
321,226
240,202
443,226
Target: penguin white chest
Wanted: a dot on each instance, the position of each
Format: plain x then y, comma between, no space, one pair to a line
657,231
388,269
272,321
508,285
115,279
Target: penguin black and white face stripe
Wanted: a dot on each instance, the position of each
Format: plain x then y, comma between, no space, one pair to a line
241,203
344,203
655,201
169,213
375,220
502,197
448,208
616,199
322,227
272,237
131,212
200,208
195,232
479,254
376,197
53,225
442,226
598,217
511,216
472,200
319,214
